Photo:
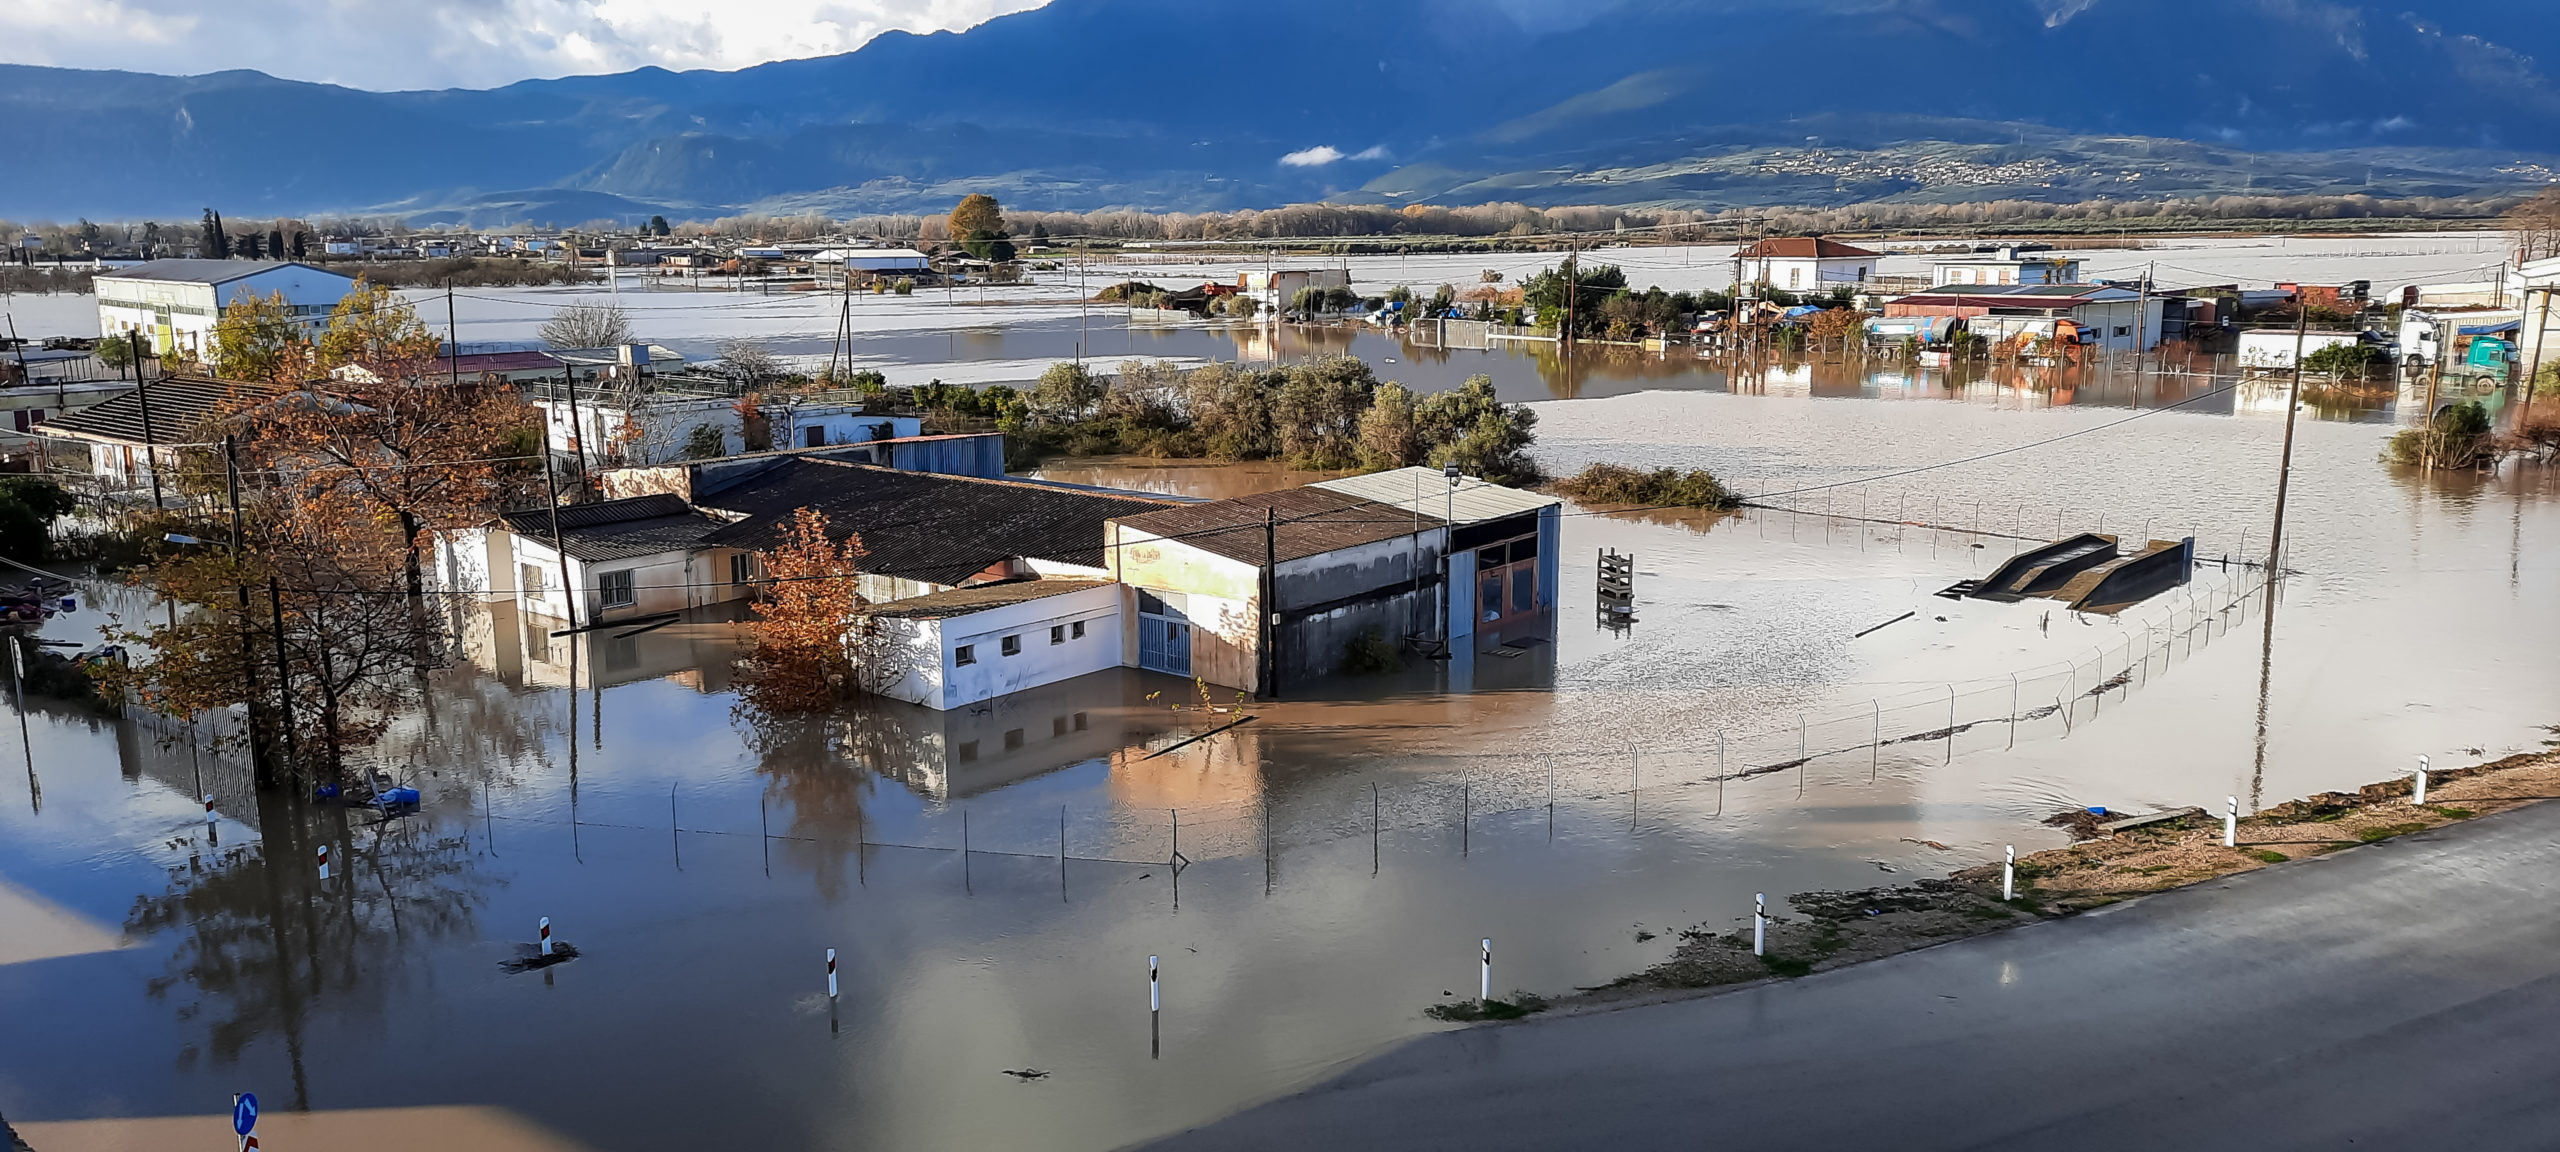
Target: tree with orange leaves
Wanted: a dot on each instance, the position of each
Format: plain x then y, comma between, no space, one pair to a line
389,440
809,628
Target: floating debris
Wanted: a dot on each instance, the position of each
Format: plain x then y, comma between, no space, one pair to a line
1026,1074
530,958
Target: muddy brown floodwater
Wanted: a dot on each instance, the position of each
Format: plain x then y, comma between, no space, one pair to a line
1340,858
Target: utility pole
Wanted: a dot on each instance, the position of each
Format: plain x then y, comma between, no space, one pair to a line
1572,287
150,441
284,678
2141,326
2533,367
261,763
2284,472
1270,607
452,340
568,594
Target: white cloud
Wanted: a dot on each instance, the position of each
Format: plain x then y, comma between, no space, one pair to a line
1323,154
1316,157
457,43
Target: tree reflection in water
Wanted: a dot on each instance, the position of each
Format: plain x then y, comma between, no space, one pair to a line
265,943
816,773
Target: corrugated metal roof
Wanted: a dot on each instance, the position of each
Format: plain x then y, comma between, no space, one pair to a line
1302,522
976,598
206,271
1804,248
1473,501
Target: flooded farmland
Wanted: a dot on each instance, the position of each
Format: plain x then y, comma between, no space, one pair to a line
1791,708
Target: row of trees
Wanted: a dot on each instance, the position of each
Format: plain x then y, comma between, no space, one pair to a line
1327,414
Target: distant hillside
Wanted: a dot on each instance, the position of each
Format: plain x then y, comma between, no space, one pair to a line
1180,104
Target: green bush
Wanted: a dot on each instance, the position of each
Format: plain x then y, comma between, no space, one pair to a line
2355,359
1370,654
1660,488
2458,438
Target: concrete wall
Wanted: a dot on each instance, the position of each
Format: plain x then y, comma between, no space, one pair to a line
1328,601
1224,596
925,652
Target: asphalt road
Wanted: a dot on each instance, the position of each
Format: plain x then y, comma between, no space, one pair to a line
2399,995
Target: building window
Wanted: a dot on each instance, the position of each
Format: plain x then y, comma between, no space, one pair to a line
1075,631
1012,645
741,567
1057,633
1057,727
615,588
529,580
1012,739
965,654
968,750
1080,721
2122,330
1795,277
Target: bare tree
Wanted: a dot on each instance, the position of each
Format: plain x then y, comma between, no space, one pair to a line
749,363
587,326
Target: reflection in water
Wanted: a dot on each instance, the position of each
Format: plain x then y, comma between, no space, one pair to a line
260,939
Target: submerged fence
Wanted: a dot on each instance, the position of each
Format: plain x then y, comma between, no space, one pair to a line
1798,758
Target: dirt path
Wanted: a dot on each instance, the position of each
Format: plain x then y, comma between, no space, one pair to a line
1834,929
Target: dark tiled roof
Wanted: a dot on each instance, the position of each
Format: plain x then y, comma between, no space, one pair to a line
1310,522
976,598
180,406
921,526
619,529
205,271
1804,248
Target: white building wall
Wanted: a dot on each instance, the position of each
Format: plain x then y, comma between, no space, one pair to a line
925,652
181,314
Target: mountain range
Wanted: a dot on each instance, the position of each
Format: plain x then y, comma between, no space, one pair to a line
1221,104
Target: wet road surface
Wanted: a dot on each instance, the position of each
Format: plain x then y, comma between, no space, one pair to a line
2394,996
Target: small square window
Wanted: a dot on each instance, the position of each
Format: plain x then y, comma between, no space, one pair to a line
1057,633
741,565
1079,721
615,588
1012,646
968,750
1012,739
1076,630
965,654
1057,726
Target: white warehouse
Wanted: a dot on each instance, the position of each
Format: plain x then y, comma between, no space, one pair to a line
174,303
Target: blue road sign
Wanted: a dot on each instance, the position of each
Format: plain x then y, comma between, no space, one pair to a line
244,1112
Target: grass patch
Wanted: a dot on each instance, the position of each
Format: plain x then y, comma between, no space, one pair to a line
1787,966
1468,1011
2387,831
2455,813
2269,856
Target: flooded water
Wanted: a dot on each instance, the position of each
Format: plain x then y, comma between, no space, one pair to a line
1791,709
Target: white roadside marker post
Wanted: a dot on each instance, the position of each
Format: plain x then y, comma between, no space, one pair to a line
208,810
1759,923
2231,822
831,973
324,861
2419,796
545,932
1484,981
2009,874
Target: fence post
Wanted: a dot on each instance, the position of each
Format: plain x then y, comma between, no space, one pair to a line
1875,740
